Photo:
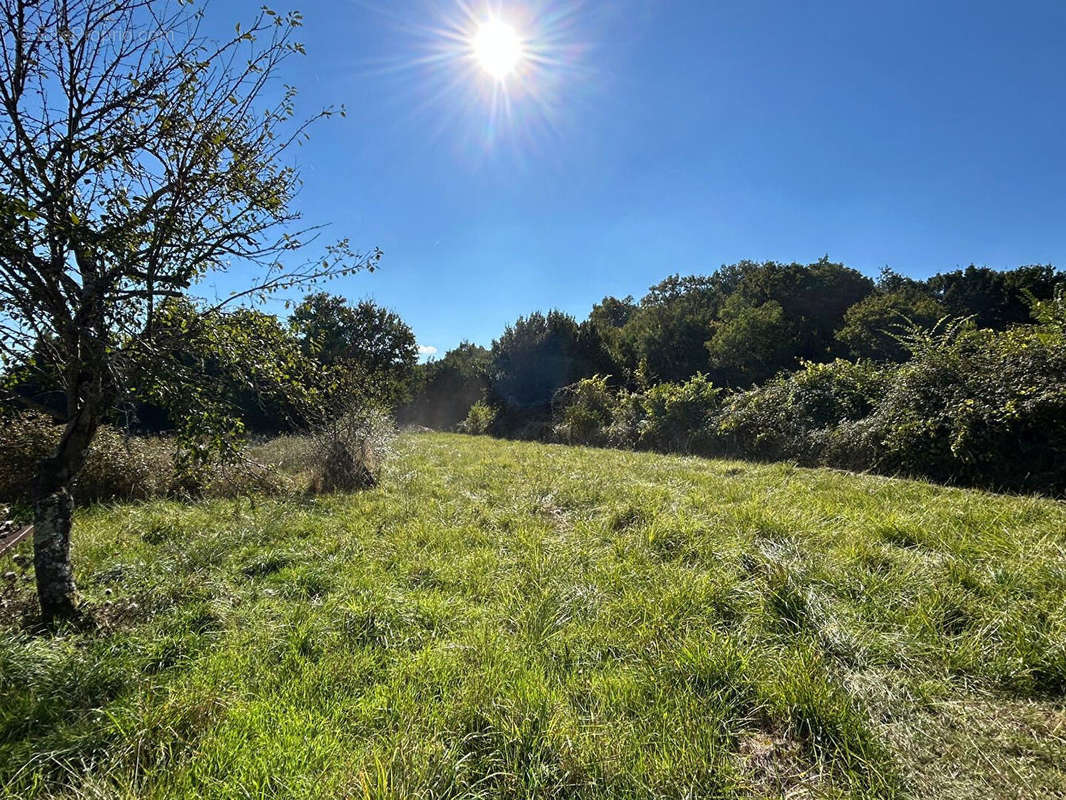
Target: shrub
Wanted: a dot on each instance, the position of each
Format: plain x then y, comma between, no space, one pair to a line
479,419
869,324
347,453
583,411
669,416
790,416
626,418
978,407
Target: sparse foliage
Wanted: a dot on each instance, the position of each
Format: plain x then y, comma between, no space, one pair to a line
346,453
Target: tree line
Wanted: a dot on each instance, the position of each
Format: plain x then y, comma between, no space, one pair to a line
747,325
254,372
738,327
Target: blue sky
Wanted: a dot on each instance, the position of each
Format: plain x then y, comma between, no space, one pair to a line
654,136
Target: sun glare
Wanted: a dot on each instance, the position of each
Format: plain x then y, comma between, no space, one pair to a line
497,48
492,72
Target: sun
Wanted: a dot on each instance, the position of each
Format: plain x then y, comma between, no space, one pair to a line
497,48
493,73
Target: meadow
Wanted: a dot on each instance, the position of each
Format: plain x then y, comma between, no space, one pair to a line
511,619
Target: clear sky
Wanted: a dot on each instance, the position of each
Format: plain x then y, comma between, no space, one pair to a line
647,137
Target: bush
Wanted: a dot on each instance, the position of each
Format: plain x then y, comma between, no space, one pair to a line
626,418
670,417
790,416
479,419
24,440
977,407
679,416
347,454
584,411
869,324
123,467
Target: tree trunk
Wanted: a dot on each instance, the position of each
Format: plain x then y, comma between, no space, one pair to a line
52,517
53,513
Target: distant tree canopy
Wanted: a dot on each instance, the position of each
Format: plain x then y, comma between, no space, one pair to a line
701,323
607,323
534,357
369,348
750,342
870,325
253,370
666,337
995,298
445,389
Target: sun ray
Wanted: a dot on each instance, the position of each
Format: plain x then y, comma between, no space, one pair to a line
489,75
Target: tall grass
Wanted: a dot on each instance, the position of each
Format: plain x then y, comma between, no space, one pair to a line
500,619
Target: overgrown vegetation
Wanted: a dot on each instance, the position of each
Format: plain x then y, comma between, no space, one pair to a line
941,398
343,454
507,619
972,406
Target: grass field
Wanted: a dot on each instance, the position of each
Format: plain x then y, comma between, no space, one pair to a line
518,620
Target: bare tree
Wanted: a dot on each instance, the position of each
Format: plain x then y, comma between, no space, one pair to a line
136,157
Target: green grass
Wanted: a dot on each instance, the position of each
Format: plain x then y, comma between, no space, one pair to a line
519,620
